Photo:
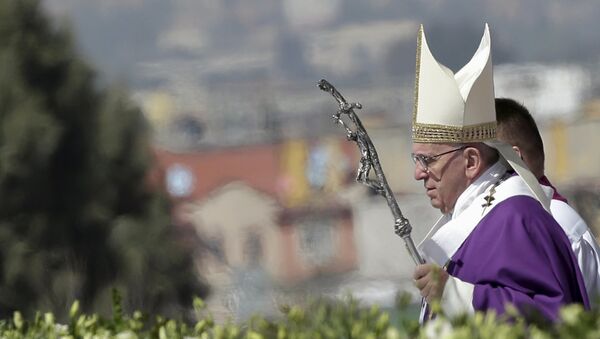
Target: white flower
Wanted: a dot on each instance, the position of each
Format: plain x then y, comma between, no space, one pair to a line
437,328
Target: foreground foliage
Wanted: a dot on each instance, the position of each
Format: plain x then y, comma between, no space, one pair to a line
317,319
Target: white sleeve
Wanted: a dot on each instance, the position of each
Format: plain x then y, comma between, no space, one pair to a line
584,246
457,297
586,251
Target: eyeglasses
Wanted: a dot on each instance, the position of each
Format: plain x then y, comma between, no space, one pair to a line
426,160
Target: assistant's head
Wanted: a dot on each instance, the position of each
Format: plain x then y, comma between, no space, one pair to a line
517,127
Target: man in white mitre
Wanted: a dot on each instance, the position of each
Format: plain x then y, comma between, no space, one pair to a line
496,243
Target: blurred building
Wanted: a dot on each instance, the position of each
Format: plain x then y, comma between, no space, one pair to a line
269,213
548,90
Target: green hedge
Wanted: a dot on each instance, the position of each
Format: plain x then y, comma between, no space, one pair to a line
317,319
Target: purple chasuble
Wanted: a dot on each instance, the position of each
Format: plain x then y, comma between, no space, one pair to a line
518,254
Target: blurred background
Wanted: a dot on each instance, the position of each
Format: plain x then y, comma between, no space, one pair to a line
178,148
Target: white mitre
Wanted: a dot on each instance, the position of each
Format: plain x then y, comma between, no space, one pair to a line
459,108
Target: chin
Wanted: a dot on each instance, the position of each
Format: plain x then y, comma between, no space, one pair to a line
436,204
439,206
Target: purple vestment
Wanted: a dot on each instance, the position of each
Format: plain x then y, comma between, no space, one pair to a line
518,254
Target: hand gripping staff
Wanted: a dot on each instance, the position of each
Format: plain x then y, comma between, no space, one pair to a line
370,160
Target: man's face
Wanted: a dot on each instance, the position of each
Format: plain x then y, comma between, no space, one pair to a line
444,178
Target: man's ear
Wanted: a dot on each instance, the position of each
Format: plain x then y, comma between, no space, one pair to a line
474,162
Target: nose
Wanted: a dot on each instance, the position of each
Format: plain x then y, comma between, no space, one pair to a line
420,173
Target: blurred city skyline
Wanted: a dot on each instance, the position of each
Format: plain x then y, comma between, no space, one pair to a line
233,72
212,74
118,35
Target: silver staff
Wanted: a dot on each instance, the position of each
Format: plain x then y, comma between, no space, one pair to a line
370,160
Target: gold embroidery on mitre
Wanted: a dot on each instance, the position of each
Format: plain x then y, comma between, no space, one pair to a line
432,133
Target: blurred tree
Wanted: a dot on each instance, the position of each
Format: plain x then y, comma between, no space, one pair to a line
77,214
